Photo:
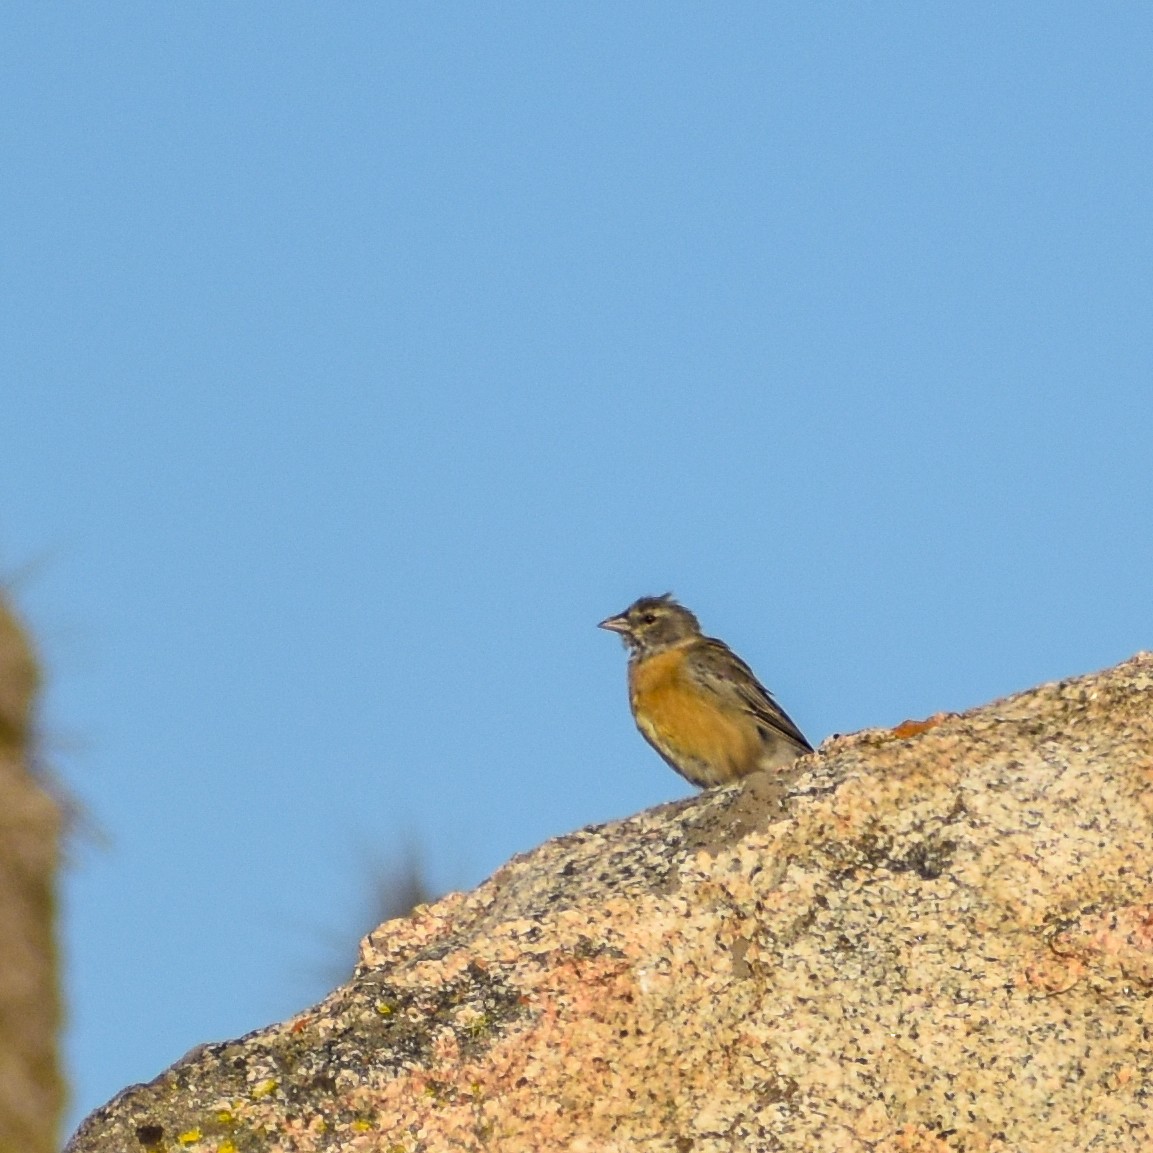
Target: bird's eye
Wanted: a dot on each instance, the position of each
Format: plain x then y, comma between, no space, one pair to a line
648,618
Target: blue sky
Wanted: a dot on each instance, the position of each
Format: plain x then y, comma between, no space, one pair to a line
357,359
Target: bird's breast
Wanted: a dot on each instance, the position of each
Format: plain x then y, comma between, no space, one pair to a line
688,725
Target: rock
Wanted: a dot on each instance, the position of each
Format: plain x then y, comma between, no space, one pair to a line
936,938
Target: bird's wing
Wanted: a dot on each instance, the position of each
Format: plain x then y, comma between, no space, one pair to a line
721,671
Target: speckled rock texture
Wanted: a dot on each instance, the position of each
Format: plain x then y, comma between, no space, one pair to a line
931,939
31,1088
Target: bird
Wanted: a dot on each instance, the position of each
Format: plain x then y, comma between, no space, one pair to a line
696,702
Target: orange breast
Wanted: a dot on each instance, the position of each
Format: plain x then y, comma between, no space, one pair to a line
707,743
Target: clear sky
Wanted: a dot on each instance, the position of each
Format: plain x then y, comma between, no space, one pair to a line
358,358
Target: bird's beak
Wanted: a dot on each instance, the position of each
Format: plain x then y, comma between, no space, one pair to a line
616,624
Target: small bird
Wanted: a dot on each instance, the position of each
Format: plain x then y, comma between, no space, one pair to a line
696,702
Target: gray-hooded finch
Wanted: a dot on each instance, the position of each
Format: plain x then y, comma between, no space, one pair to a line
696,702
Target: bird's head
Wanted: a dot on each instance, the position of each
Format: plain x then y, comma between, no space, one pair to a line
653,623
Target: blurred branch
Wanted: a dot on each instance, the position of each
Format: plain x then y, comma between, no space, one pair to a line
31,1085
